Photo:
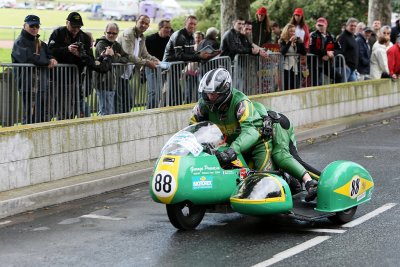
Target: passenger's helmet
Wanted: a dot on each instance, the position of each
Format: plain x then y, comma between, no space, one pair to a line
217,81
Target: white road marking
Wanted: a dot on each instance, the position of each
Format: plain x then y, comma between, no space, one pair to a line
369,215
4,222
292,251
101,217
330,231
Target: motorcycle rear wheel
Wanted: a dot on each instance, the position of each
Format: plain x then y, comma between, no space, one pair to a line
342,217
185,216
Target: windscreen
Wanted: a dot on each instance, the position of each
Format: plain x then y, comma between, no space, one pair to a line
191,139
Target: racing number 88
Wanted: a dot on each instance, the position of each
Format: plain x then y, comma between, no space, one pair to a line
164,185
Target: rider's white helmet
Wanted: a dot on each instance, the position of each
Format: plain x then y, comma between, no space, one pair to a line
218,81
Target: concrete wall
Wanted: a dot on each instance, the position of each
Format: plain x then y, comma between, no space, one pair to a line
35,154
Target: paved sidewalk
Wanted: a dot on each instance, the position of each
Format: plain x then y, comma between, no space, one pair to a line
46,194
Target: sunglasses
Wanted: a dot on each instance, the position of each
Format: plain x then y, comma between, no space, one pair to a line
112,33
76,27
320,25
37,26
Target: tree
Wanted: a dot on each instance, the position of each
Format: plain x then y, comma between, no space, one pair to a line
232,9
380,10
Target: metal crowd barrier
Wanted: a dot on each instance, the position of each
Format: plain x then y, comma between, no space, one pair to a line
180,80
256,75
31,94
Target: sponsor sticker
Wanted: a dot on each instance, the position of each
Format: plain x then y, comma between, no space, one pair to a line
202,182
361,196
168,161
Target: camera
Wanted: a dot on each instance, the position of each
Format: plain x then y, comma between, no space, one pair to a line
81,49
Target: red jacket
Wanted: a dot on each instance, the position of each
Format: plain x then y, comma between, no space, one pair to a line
393,55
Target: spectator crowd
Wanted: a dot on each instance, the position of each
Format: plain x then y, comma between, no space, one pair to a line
369,53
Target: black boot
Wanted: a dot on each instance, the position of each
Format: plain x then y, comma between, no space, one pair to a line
311,187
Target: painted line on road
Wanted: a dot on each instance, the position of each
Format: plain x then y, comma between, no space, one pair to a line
4,222
101,217
293,251
329,231
370,215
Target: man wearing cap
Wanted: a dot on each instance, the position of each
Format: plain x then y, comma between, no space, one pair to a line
28,48
261,31
70,45
325,48
393,54
364,55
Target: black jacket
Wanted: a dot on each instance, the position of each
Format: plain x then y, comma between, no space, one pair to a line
24,50
260,33
180,47
232,44
364,55
156,44
350,49
102,43
59,41
320,44
29,49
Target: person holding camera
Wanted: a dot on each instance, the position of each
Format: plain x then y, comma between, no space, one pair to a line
70,45
293,45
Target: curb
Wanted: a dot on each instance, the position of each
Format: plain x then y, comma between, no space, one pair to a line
38,196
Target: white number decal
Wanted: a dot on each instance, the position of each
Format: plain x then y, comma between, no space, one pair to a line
164,184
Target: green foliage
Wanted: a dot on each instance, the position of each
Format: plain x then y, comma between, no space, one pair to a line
208,15
396,6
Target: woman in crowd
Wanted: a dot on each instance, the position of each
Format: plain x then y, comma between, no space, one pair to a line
302,30
292,44
261,31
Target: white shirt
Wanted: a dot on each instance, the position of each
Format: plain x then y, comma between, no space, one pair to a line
129,70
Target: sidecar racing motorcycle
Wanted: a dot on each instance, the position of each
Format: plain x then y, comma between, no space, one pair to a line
188,178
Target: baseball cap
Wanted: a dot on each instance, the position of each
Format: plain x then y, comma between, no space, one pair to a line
322,20
298,11
261,11
75,19
32,20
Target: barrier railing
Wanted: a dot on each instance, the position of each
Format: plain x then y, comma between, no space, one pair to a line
255,75
31,94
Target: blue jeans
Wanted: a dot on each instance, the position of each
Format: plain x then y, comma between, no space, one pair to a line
106,102
351,75
152,94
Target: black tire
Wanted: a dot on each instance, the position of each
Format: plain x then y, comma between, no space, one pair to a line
345,216
185,216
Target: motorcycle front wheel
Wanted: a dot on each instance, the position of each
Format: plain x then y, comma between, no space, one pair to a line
185,216
342,217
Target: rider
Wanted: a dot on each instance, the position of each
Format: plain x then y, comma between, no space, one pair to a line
242,123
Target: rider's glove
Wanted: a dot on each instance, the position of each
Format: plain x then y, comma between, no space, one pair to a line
226,157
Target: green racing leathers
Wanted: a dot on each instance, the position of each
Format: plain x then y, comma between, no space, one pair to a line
241,122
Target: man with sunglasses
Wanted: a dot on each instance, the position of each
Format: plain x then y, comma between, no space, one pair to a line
32,82
70,45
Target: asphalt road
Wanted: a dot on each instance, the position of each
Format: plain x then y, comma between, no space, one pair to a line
126,228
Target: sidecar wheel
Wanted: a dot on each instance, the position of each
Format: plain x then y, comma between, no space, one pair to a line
185,216
345,216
